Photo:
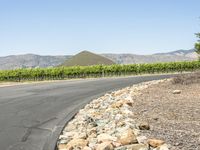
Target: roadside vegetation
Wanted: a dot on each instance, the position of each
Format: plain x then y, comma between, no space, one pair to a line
60,73
186,79
197,45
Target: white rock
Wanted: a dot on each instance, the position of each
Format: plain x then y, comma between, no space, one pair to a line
64,141
176,92
118,117
87,148
142,139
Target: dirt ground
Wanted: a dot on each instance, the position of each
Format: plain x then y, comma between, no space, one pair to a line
174,118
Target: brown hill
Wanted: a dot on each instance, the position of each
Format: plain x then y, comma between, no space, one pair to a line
86,58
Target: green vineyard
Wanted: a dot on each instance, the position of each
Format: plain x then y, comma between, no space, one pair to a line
59,73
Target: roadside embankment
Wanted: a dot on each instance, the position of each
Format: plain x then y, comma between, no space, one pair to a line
156,115
110,122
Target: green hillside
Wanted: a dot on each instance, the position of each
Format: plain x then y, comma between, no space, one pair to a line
86,58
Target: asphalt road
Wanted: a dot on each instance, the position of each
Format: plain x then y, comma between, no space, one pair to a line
33,115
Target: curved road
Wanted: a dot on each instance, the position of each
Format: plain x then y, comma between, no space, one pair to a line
33,115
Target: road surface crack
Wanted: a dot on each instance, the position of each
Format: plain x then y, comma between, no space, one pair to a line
29,130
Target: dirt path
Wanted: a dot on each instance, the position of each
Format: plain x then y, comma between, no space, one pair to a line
174,118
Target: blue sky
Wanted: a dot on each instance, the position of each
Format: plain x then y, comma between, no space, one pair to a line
61,27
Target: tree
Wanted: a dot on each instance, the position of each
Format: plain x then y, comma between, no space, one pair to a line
197,45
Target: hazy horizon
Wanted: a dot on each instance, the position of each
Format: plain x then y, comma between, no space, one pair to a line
89,51
67,27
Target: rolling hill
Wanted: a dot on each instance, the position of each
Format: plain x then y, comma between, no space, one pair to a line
30,61
180,55
86,58
34,61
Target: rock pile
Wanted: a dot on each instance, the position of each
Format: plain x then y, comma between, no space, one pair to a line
109,123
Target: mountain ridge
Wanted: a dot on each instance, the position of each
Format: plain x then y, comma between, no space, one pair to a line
34,60
178,55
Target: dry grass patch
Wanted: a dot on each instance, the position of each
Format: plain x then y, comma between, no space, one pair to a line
186,79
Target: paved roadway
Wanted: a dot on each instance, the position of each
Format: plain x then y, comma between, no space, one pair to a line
33,115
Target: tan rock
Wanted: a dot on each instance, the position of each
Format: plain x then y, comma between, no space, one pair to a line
128,137
120,123
105,146
136,132
134,147
162,147
93,135
70,127
83,135
138,147
92,143
92,131
77,143
144,126
127,112
176,92
87,148
122,102
117,104
105,137
129,103
95,114
155,142
116,144
96,106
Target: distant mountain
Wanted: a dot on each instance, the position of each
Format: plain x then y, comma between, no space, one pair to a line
34,61
180,55
30,61
86,58
186,53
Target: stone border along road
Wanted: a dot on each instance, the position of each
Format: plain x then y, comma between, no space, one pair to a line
108,123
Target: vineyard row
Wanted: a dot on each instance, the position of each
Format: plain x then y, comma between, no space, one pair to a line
56,73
